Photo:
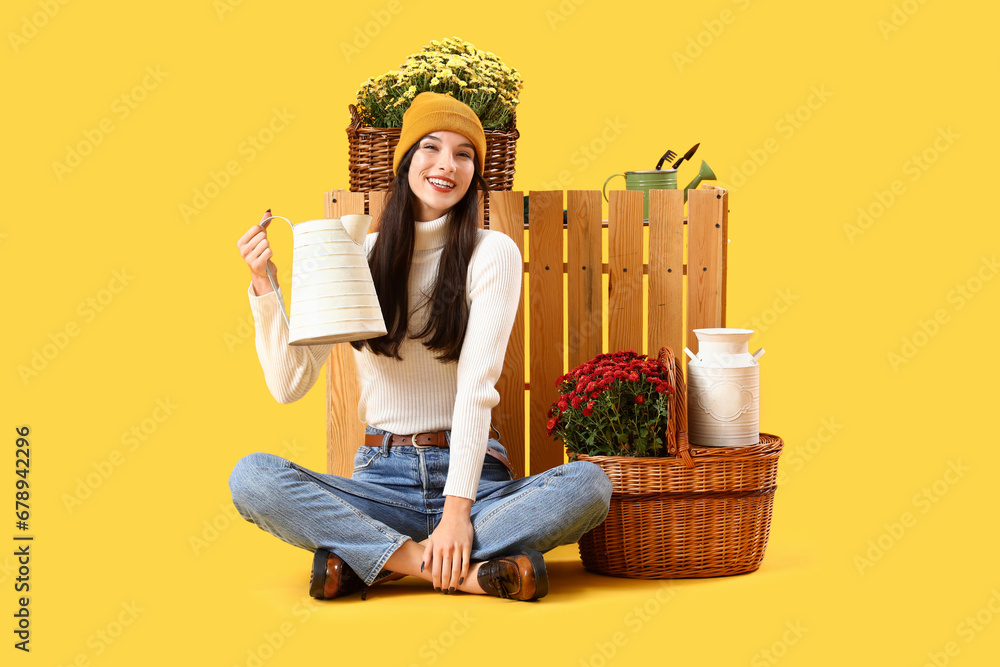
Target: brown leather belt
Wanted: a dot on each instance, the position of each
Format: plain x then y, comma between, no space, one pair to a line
429,439
432,439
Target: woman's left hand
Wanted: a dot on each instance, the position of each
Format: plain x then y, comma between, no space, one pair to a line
448,549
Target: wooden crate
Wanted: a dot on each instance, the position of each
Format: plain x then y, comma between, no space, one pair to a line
679,274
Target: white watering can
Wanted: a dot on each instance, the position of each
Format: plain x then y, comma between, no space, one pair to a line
723,389
333,296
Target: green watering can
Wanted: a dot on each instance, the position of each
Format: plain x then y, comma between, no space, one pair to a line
659,179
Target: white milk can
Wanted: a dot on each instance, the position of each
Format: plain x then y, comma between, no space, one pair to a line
723,389
333,296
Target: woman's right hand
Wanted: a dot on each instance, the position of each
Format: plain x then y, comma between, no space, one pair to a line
256,252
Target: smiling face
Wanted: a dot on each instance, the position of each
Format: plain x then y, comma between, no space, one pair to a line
440,173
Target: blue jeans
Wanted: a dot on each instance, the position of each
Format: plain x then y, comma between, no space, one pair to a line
395,495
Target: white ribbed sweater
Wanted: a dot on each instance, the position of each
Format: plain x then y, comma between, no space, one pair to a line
418,393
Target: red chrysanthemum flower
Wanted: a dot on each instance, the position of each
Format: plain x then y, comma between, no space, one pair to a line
598,409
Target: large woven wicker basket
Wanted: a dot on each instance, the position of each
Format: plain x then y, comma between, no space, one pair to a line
699,512
371,149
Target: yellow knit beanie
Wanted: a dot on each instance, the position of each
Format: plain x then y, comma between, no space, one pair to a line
430,112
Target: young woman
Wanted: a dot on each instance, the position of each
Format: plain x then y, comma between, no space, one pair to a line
431,494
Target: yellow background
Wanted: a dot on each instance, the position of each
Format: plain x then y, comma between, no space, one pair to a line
883,545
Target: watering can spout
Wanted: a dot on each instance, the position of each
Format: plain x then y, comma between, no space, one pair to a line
704,174
356,226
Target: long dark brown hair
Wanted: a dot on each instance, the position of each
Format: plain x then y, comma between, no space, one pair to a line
390,259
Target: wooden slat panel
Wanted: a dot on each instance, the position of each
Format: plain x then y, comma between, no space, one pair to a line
707,233
376,204
584,275
507,216
666,270
625,270
344,431
723,195
341,202
546,323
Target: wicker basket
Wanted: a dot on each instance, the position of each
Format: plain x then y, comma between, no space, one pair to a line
371,150
700,512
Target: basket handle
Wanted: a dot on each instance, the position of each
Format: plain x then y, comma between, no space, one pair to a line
355,118
678,404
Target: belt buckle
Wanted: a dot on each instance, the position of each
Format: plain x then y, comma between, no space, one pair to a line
413,441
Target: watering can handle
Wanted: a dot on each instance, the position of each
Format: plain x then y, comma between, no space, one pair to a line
267,269
605,189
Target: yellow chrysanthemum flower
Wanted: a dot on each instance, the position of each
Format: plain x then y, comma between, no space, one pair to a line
450,66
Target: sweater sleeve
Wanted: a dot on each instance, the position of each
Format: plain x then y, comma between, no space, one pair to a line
289,371
494,290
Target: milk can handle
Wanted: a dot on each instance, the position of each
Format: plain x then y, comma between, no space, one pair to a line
267,269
